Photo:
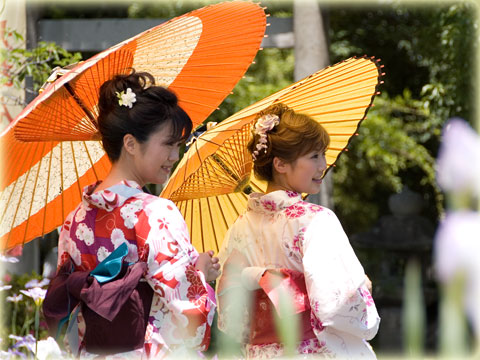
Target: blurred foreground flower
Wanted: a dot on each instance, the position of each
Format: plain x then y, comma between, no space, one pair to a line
48,349
25,341
15,298
9,259
35,283
458,164
4,287
457,242
43,350
12,354
457,247
36,293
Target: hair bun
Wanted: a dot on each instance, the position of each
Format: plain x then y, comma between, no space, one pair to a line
276,109
138,82
164,96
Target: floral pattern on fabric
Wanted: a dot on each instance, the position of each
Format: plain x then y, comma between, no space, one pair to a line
183,304
129,213
280,230
295,211
294,248
269,205
307,349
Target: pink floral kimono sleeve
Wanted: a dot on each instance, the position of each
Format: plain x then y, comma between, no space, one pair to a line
183,305
335,280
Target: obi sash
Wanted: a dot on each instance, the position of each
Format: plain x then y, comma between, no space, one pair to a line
266,301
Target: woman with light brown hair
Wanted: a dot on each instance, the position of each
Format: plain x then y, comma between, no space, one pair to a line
283,247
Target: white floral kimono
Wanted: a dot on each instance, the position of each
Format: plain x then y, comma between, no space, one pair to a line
280,231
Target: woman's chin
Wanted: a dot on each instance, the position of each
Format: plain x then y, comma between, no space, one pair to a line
160,180
315,189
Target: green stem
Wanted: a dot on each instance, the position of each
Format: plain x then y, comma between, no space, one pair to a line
453,323
414,310
26,324
288,326
37,326
14,318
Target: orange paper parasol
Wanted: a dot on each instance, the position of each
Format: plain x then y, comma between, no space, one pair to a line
48,152
208,184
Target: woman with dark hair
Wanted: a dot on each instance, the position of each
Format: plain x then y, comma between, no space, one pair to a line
142,128
284,250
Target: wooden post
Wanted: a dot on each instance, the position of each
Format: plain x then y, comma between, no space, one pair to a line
311,55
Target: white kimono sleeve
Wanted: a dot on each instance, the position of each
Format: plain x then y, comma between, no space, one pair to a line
233,299
335,279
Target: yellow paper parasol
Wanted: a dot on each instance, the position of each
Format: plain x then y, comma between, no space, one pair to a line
209,182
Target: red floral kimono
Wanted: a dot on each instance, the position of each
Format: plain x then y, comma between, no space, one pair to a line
183,304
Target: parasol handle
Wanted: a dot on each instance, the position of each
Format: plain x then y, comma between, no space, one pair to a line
243,185
82,105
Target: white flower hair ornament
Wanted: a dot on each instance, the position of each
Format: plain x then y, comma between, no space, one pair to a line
126,98
263,125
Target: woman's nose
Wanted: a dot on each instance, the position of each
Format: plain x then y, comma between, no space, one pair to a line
323,166
323,163
174,155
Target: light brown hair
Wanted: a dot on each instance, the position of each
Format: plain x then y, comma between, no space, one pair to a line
294,136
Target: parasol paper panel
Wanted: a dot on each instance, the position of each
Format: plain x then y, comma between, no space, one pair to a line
200,56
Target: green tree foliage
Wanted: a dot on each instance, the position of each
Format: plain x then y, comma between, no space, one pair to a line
383,158
19,62
430,50
271,71
429,54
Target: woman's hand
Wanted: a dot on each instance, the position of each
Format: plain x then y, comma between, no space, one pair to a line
368,283
208,264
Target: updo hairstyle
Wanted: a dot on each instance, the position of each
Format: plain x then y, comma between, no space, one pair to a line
294,136
155,106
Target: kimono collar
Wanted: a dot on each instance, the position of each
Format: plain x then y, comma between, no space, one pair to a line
272,202
106,199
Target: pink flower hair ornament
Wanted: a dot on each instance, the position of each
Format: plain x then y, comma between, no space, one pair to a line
263,125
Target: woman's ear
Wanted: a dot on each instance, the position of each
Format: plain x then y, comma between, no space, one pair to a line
130,144
279,165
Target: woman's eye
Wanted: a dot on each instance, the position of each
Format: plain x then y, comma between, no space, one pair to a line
174,144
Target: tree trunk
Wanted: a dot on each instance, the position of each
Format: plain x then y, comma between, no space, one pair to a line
311,55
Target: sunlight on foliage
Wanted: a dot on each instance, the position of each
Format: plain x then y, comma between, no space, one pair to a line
387,147
37,63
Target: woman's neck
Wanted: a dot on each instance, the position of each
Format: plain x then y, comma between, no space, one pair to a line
279,182
272,186
118,173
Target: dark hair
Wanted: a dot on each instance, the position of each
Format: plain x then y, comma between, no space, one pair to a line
155,106
294,136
